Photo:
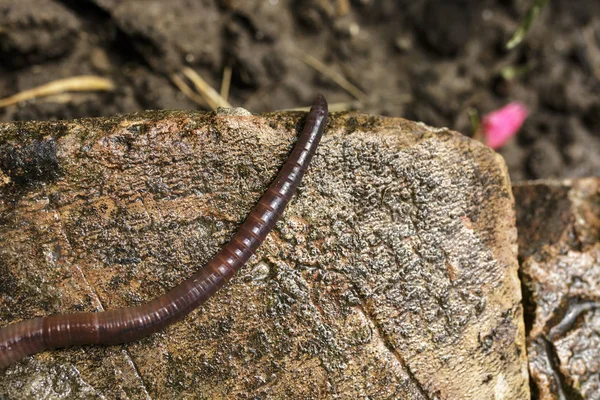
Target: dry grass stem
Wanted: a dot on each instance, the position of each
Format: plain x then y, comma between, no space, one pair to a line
333,107
330,73
188,91
226,83
83,83
593,50
258,95
212,97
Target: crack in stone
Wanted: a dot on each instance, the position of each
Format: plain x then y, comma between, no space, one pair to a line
564,390
63,228
137,372
573,312
391,349
552,360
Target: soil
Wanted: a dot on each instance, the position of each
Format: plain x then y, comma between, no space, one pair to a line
431,61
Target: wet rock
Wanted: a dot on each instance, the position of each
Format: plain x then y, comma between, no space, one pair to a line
393,273
559,250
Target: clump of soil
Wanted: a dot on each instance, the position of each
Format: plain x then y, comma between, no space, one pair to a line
430,61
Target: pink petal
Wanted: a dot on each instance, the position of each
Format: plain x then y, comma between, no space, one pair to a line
500,125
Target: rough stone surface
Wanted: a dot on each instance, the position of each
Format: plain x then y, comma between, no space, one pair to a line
559,251
393,273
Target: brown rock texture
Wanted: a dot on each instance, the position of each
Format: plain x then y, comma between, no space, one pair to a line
393,273
559,251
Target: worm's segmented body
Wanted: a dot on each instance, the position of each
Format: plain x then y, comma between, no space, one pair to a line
128,324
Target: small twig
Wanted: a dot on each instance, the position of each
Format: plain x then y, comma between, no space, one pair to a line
226,82
258,95
330,73
333,107
592,49
342,7
188,91
60,98
475,124
511,72
573,312
526,23
209,94
82,83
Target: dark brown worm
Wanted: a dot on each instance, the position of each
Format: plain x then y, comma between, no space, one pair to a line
128,324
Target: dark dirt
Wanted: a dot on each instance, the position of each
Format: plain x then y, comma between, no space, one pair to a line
429,61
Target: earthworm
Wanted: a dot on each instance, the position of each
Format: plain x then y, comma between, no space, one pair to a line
129,324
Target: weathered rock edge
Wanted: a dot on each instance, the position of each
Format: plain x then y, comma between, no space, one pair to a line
559,254
393,273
